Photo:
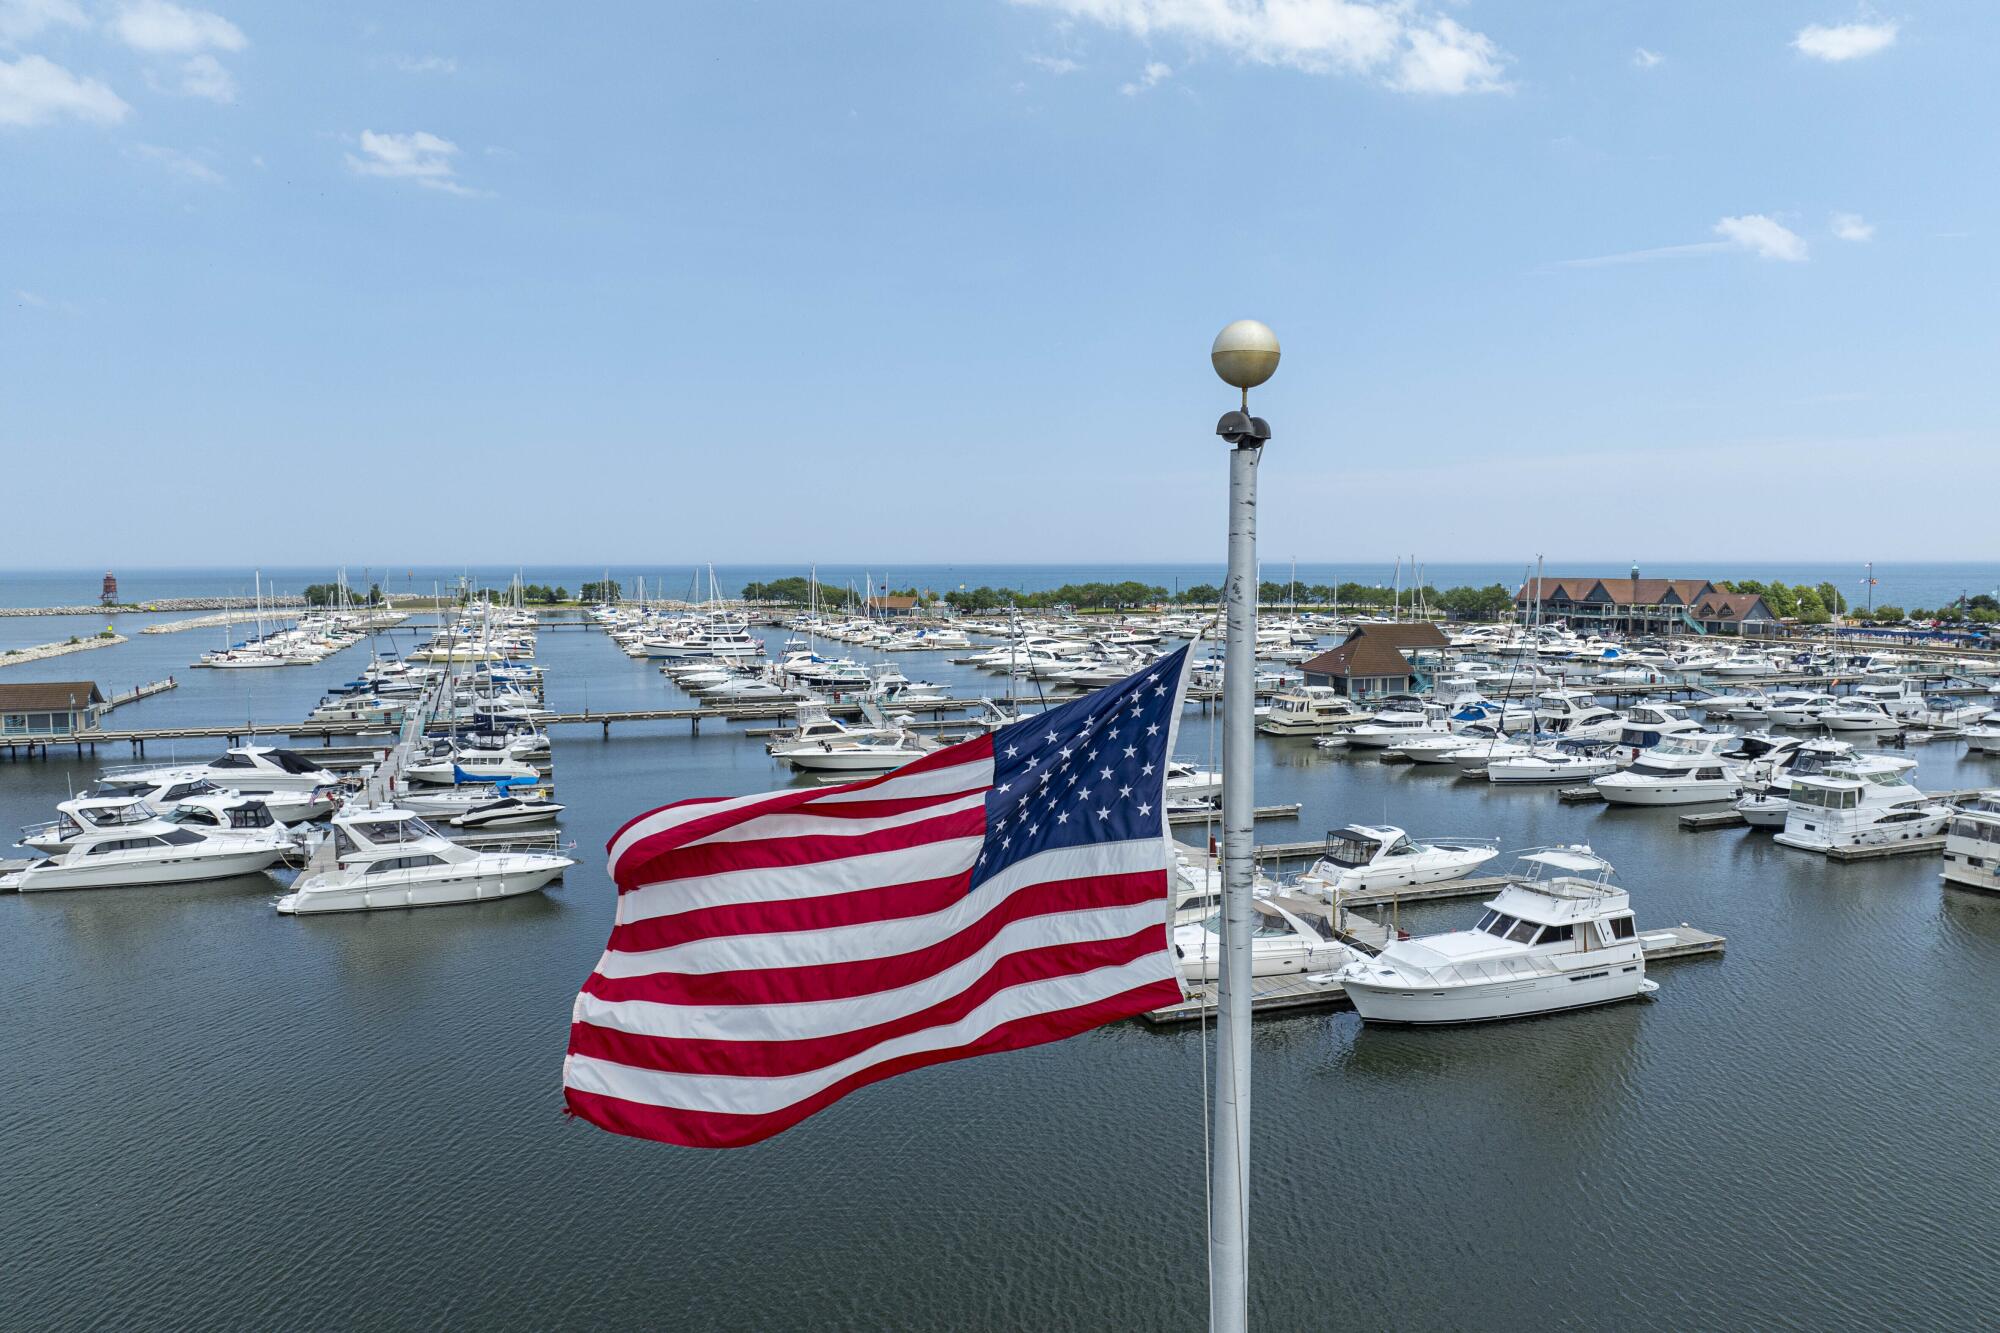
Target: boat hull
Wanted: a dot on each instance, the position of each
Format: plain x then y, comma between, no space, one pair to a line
359,896
1487,1002
43,879
1669,793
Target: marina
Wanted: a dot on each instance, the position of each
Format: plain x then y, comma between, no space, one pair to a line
1699,902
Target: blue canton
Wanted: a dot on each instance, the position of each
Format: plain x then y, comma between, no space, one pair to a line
1091,771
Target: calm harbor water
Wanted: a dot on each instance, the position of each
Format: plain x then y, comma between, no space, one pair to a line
222,1118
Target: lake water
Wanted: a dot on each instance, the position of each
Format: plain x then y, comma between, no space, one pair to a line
1906,584
219,1117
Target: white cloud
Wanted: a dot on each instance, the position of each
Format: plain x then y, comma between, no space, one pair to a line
1851,227
22,19
419,157
179,163
1150,77
1845,41
204,76
1393,40
35,90
1645,59
1754,233
424,64
1448,60
159,28
1055,64
25,297
1763,236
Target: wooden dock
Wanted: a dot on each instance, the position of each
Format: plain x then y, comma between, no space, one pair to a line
1263,812
1579,795
1709,819
1911,847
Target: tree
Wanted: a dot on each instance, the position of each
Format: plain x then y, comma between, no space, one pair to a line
1830,598
374,594
1984,601
604,591
1201,594
1811,610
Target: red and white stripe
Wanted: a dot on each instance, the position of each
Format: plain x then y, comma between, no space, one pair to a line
773,953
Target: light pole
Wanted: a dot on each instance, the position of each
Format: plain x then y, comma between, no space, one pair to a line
1245,354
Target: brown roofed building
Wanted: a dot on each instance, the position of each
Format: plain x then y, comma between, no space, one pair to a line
1632,605
48,707
1372,662
1736,613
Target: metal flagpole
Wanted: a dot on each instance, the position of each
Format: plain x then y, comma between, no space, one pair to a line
1245,354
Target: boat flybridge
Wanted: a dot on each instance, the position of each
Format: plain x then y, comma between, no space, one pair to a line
1559,936
285,807
250,769
1382,856
1862,801
388,857
1972,844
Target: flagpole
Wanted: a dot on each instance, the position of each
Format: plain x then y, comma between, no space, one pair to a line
1245,354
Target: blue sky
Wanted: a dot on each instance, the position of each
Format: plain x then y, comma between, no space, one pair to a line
937,281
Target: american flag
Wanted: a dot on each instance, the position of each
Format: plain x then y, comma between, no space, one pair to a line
772,953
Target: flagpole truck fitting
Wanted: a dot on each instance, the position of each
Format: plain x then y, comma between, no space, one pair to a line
1245,355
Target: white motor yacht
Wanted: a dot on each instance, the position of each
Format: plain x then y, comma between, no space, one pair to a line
1395,726
1767,777
1646,725
1281,942
870,754
1983,736
389,857
1563,761
455,767
1797,708
1866,716
1559,936
152,854
1972,844
1310,710
1683,769
250,769
287,808
82,820
1382,856
1861,801
1188,782
1444,747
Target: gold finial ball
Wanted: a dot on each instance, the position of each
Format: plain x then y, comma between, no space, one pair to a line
1245,354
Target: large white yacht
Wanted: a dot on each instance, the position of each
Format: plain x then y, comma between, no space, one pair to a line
1862,801
293,807
1394,726
1972,844
1683,769
1559,936
154,853
250,769
1310,710
1281,941
1870,716
387,857
1565,760
1983,736
1798,708
1382,856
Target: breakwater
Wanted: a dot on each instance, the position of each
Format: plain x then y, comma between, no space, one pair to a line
164,604
42,651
